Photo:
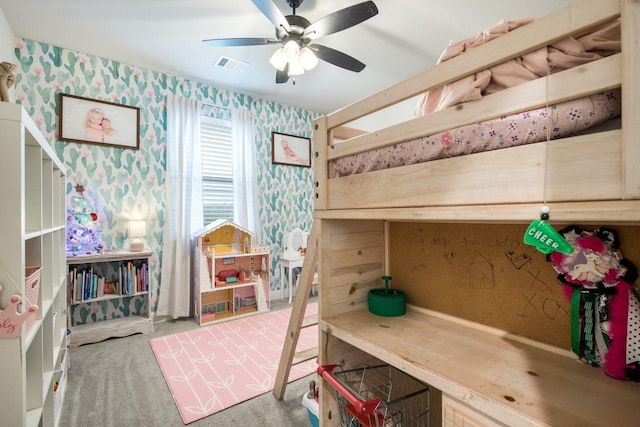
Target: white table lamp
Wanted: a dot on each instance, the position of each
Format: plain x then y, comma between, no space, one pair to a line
137,229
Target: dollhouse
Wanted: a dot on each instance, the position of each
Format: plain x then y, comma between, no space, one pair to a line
230,273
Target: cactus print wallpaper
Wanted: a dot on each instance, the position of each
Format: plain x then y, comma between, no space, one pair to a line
130,184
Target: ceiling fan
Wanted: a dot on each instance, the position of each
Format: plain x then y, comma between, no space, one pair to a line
296,34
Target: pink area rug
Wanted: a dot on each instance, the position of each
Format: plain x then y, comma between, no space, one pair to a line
214,367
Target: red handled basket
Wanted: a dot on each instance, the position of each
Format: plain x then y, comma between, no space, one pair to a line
377,396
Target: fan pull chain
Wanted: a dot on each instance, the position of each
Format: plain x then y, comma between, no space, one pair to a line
544,210
540,233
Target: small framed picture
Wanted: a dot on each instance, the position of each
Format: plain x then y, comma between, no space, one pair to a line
92,121
290,150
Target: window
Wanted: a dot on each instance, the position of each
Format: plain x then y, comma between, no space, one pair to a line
217,169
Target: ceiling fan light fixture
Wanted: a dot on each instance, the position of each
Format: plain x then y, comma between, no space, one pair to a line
295,32
278,59
291,50
295,68
308,59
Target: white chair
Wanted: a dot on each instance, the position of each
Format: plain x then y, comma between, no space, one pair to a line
293,246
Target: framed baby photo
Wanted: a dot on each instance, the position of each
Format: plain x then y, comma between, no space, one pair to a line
92,121
290,150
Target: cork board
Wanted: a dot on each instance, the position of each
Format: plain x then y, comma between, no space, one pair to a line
485,273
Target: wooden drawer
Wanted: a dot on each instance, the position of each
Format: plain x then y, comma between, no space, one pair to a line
457,414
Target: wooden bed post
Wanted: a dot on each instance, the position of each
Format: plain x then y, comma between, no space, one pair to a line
320,171
630,13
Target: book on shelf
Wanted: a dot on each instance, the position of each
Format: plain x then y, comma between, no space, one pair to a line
86,284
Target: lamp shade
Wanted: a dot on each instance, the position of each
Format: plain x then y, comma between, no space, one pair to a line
279,59
295,68
137,229
291,50
308,59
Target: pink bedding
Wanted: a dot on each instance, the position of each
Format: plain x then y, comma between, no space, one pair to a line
565,119
562,55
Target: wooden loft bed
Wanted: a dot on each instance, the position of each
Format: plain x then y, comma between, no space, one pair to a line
375,224
586,178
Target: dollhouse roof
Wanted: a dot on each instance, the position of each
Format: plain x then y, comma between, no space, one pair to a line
218,224
224,236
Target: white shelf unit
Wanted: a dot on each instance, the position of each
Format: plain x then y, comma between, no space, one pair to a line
32,225
118,324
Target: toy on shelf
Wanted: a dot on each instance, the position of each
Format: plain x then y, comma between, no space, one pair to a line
605,306
387,302
10,320
7,79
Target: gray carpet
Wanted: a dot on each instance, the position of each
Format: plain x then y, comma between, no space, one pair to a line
118,383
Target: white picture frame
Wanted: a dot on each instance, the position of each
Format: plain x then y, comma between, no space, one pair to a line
290,150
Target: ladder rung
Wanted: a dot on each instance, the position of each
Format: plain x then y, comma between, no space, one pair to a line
309,321
305,355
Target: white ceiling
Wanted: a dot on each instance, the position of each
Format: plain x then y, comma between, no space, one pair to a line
406,37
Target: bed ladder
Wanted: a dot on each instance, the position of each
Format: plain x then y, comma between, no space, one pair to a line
297,321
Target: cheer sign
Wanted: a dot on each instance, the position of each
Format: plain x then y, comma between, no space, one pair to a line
545,238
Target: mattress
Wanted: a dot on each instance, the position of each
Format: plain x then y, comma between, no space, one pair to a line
560,120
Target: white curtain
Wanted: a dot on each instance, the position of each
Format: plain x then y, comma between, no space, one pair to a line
183,213
245,194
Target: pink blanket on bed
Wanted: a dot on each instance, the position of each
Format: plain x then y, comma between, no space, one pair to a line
564,54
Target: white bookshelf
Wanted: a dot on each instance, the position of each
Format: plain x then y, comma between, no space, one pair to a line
106,265
32,226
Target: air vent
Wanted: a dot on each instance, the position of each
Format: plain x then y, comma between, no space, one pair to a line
231,64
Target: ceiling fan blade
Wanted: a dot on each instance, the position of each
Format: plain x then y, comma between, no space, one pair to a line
282,76
338,58
341,20
239,42
271,11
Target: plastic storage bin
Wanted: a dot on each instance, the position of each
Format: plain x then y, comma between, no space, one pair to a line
313,408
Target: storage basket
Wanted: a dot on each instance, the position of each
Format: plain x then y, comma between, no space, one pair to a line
376,396
31,294
59,385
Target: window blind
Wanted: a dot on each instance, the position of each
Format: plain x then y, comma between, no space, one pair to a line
217,169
